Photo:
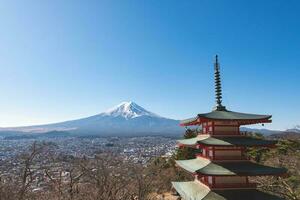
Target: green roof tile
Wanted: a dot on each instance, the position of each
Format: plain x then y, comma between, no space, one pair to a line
226,115
230,115
226,141
191,190
207,167
197,191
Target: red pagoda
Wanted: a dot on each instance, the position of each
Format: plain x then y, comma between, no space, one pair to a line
222,169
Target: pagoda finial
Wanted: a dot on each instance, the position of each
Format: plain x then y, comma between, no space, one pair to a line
218,87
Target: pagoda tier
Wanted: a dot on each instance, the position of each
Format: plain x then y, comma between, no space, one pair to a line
222,168
225,141
203,166
227,116
195,190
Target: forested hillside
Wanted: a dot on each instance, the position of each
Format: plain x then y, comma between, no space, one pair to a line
108,177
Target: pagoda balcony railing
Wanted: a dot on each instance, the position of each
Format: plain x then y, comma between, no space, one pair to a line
226,133
246,185
220,158
233,185
225,158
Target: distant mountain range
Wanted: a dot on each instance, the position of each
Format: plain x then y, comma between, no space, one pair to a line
125,119
261,130
296,129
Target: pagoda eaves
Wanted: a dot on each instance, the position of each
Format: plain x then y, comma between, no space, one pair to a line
226,115
226,141
221,167
195,190
203,166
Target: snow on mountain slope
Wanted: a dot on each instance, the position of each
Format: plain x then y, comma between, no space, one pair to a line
128,110
127,118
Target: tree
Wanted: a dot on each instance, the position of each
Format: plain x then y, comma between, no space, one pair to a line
190,133
183,152
287,154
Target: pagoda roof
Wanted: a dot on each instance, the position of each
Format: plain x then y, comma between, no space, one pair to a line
227,168
195,190
209,140
243,118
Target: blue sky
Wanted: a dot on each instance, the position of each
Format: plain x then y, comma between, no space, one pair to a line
62,60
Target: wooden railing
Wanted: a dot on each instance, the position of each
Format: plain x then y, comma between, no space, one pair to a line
233,185
227,158
243,157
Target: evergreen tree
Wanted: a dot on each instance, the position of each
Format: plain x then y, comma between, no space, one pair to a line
184,153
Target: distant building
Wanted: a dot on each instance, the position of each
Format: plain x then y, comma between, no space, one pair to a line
222,170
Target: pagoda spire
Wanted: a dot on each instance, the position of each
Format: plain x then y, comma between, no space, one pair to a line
218,87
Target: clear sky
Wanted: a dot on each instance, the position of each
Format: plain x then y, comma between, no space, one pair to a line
62,60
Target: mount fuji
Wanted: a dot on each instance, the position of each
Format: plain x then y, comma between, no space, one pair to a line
125,119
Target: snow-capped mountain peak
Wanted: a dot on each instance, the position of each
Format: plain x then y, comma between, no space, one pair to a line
128,110
127,118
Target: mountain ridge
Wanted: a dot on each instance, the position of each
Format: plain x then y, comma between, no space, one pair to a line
127,118
295,129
